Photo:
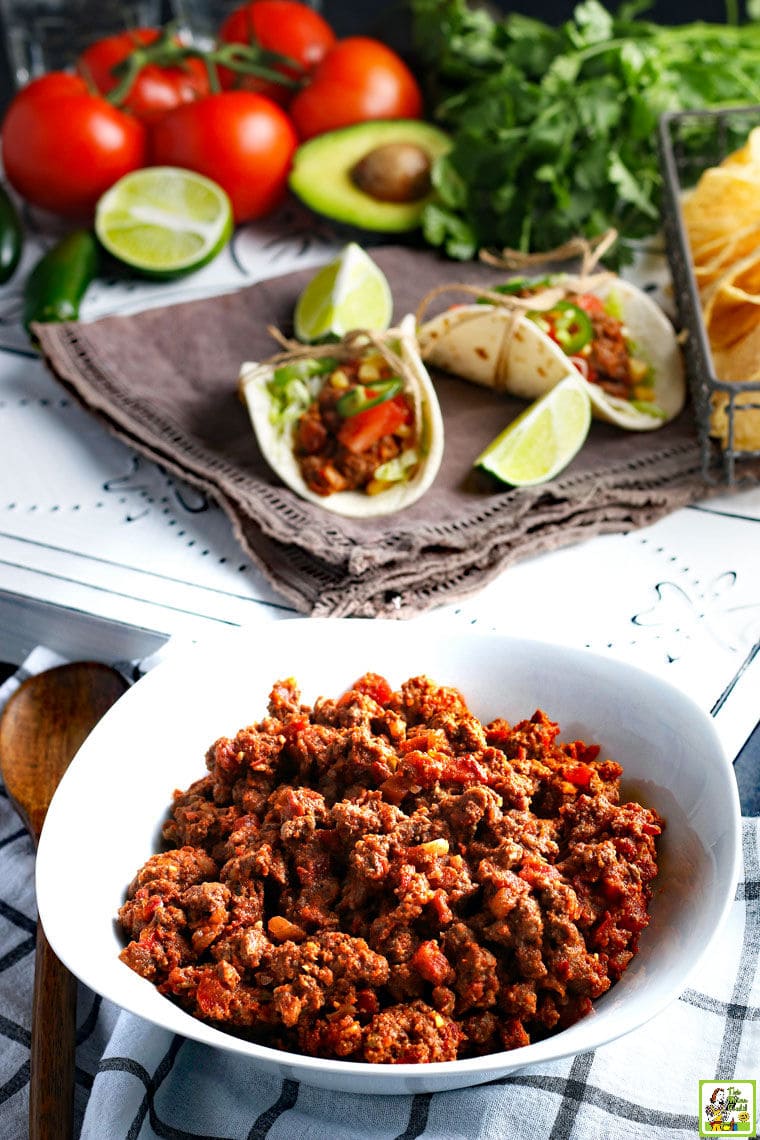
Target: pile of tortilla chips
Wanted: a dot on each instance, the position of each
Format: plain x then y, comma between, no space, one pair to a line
722,217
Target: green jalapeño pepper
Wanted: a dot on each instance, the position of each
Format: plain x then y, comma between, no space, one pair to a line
567,324
11,237
360,398
525,285
58,282
303,370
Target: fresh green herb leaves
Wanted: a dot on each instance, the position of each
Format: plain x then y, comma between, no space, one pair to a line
555,128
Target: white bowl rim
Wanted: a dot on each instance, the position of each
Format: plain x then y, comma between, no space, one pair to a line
483,1068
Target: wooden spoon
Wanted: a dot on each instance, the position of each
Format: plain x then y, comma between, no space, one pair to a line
42,726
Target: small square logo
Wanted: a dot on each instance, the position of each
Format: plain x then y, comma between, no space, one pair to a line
727,1107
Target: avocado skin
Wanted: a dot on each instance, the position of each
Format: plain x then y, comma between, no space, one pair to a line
321,173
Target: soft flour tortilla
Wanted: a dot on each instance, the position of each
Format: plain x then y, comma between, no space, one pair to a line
277,445
500,348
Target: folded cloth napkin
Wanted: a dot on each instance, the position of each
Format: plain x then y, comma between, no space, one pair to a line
135,1080
165,382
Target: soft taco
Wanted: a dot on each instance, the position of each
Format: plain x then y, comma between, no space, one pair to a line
524,336
354,426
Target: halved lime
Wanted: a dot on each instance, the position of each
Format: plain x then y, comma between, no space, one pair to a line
544,438
350,292
164,221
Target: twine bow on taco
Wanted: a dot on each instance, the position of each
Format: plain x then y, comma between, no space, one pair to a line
508,338
590,251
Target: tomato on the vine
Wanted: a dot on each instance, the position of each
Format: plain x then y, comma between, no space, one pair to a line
360,78
156,89
286,27
63,147
242,140
51,85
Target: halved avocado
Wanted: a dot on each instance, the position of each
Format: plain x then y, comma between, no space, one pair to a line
373,175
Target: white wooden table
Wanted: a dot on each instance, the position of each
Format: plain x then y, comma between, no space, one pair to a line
104,554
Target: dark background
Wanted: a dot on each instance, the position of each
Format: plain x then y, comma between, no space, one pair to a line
349,17
387,21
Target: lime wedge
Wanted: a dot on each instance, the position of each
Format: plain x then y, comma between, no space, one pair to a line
544,438
350,292
164,221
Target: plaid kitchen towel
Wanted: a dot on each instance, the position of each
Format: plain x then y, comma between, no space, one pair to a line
136,1081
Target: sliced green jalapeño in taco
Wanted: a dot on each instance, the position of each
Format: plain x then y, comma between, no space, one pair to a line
354,426
523,335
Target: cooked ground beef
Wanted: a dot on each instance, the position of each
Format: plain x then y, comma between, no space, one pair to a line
342,452
383,878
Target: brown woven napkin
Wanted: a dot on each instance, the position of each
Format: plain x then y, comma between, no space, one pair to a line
164,380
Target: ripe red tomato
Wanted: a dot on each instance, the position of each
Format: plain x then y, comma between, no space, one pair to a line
63,147
283,26
242,140
359,432
50,85
156,89
359,79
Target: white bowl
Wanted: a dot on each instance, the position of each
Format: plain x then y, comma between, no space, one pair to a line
105,819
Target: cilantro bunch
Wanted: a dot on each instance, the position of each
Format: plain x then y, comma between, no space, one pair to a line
555,128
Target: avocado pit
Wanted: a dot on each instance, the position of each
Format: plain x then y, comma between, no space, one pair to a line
371,176
394,172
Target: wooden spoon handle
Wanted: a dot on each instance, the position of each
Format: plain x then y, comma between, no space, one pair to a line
54,1015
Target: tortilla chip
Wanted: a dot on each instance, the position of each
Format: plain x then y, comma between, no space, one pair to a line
746,420
729,316
724,199
722,217
740,362
714,257
747,155
731,304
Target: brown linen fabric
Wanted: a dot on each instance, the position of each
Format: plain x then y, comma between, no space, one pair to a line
165,381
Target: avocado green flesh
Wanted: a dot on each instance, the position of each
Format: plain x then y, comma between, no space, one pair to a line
321,173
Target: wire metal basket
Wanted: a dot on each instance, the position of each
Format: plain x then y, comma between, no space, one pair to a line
689,143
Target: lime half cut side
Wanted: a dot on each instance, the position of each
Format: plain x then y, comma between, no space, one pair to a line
164,221
544,438
350,292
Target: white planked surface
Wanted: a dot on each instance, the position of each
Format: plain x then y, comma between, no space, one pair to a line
95,538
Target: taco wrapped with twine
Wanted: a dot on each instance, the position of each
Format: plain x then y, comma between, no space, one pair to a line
354,426
524,336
